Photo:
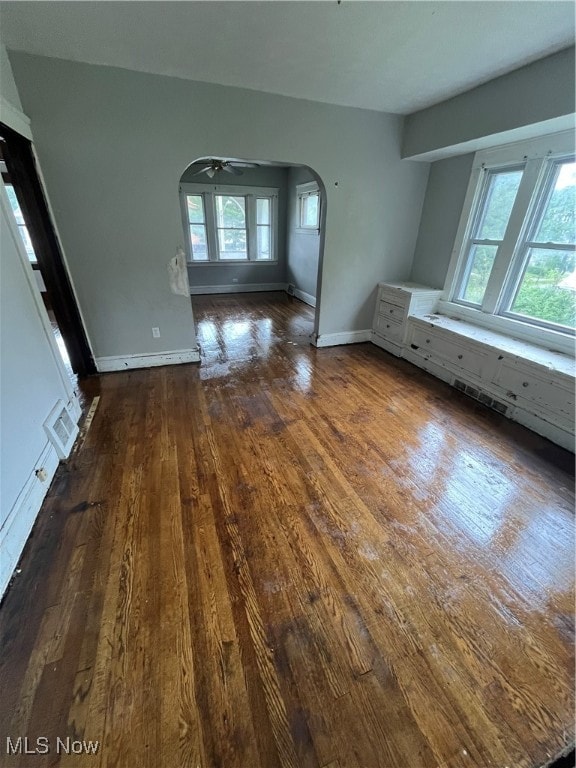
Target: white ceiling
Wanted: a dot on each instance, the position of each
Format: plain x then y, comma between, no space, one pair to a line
388,56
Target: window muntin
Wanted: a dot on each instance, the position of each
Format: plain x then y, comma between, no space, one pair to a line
515,260
228,224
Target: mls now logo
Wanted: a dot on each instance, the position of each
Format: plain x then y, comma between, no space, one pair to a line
41,746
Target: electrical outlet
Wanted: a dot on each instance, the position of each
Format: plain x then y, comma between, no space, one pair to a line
234,279
156,333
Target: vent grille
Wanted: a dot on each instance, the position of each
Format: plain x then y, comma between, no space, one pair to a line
61,429
290,289
482,397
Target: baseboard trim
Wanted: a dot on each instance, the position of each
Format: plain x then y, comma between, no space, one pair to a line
21,518
307,298
151,360
198,290
345,337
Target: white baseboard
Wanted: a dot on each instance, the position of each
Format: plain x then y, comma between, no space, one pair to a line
197,290
345,337
151,360
17,526
307,298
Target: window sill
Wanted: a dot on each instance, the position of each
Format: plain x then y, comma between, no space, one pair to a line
550,359
514,332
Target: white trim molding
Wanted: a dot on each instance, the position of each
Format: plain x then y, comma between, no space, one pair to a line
198,290
15,119
307,298
150,360
21,518
344,337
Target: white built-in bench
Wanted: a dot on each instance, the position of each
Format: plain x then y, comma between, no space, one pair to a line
526,383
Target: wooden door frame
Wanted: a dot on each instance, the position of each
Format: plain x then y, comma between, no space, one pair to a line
21,164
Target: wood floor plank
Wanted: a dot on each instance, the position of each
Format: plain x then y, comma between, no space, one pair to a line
294,558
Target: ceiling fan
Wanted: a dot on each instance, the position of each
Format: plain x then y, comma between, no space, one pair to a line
230,166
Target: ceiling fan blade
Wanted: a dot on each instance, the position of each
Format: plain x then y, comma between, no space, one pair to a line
244,165
202,170
232,170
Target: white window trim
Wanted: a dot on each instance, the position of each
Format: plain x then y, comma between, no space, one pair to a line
208,191
303,191
534,155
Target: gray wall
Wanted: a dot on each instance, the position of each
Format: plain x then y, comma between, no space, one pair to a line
542,91
251,273
113,146
303,248
441,212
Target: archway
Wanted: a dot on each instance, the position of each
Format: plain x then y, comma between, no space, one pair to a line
254,225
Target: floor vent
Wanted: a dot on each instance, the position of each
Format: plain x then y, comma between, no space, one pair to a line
482,397
61,429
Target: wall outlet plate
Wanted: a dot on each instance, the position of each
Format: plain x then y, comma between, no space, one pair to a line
156,333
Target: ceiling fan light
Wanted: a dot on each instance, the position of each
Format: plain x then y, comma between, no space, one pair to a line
210,172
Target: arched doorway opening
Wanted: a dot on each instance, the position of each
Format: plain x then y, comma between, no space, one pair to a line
254,226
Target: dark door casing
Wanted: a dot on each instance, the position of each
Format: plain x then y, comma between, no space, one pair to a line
21,164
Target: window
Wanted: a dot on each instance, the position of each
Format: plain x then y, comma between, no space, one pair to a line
514,259
308,207
22,228
229,224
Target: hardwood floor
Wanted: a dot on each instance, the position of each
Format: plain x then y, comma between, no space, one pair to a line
294,557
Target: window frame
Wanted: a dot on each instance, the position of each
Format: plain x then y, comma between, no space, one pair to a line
251,194
538,157
303,192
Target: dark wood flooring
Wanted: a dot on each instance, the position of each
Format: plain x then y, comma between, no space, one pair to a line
294,557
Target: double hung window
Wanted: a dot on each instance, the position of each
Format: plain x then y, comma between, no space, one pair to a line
308,207
229,224
515,253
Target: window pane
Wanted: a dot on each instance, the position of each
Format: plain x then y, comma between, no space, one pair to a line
232,244
22,228
195,209
198,242
502,189
310,211
263,242
24,234
547,290
231,211
558,222
481,259
263,210
15,205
